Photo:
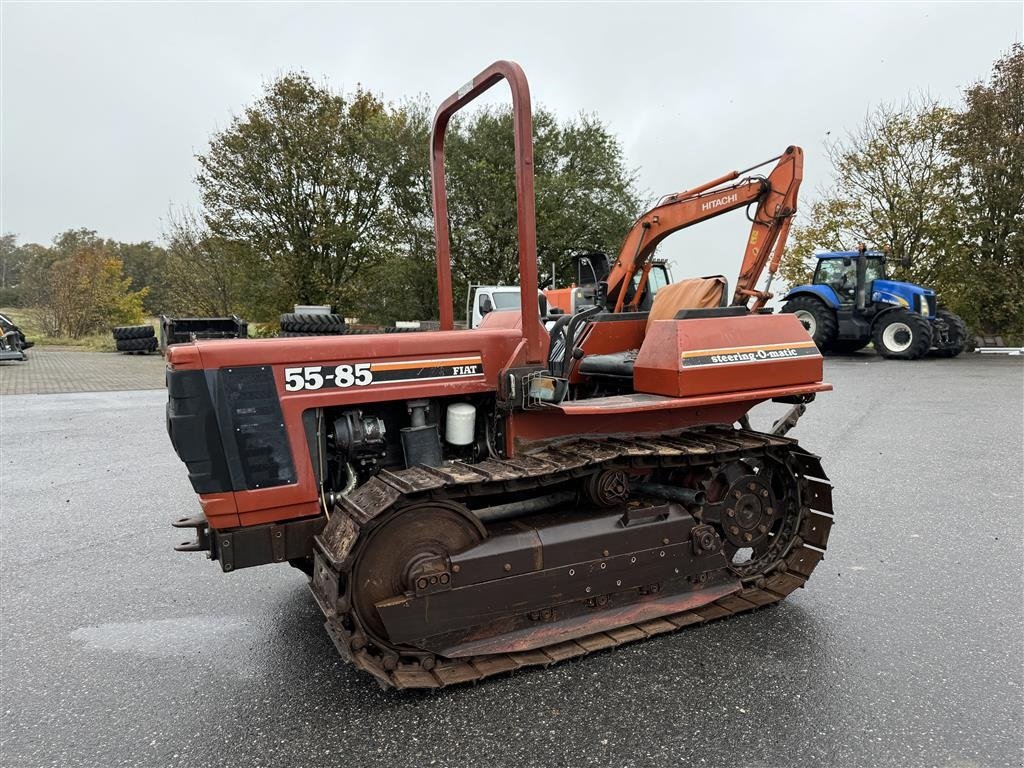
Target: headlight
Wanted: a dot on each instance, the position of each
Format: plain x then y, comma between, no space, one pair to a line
923,301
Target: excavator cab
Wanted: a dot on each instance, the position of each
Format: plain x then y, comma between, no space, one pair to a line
641,294
591,269
659,277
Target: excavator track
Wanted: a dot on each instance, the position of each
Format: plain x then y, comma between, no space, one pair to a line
338,546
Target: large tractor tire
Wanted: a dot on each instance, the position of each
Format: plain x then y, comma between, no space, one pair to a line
318,324
139,346
297,334
125,332
949,334
818,319
902,335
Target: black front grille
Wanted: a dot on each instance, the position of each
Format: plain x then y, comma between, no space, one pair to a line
253,415
194,431
931,305
227,427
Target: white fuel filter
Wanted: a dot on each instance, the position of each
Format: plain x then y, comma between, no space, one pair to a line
460,424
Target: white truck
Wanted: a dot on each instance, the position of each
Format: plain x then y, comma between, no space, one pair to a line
483,299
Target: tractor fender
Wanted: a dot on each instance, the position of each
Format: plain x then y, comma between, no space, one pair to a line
824,293
882,311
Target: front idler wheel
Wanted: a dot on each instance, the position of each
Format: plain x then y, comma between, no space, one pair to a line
398,555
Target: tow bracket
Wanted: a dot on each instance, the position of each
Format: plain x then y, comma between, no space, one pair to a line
202,541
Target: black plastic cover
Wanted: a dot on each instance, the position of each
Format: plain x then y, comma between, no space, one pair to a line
227,427
250,413
194,431
618,317
693,314
617,364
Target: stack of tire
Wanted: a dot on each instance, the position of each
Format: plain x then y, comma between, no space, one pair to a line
135,339
378,330
296,324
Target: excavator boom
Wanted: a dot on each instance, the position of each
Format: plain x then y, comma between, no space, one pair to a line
775,197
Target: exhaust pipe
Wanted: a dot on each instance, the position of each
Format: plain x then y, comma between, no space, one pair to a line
862,273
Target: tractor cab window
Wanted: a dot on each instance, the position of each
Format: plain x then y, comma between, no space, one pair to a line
875,270
843,277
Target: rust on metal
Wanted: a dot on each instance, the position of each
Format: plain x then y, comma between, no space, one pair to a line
473,635
522,119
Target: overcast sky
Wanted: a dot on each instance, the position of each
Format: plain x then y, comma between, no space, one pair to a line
105,105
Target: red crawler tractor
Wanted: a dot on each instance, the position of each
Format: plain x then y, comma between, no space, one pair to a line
471,502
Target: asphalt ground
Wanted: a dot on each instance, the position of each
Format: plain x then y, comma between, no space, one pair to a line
904,650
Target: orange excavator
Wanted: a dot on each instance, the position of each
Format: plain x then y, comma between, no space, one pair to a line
467,503
625,286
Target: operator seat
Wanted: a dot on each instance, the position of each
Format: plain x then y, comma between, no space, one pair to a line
695,297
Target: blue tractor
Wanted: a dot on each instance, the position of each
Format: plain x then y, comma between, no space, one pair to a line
851,303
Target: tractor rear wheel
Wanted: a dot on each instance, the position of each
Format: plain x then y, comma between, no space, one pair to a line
818,319
902,335
950,336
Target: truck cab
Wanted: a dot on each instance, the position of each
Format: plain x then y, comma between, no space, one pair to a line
484,299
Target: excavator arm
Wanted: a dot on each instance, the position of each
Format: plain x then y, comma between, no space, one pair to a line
775,197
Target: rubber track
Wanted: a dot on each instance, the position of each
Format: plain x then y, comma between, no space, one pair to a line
562,462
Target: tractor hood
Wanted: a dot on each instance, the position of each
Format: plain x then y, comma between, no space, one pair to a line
896,292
